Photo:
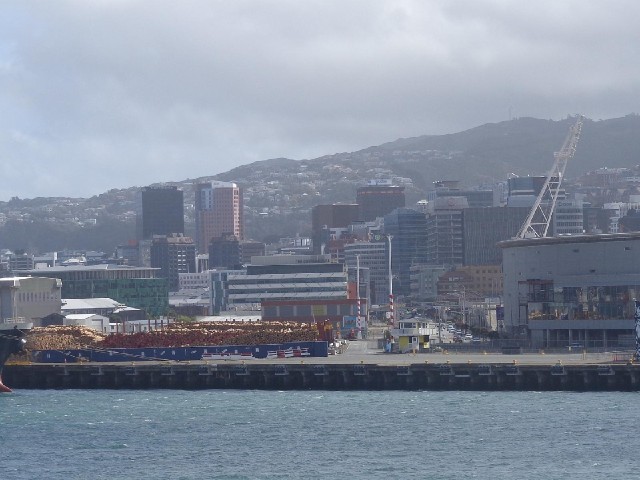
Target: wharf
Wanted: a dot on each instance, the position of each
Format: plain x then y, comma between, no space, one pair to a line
357,369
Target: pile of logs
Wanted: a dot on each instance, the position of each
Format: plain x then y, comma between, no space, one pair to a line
215,333
174,335
58,337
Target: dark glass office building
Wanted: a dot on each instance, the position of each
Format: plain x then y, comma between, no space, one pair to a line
483,228
325,217
408,229
160,211
224,252
378,200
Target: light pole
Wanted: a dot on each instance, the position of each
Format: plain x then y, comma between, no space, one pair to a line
464,309
358,318
391,311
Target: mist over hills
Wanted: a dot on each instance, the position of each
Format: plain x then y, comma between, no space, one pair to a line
279,193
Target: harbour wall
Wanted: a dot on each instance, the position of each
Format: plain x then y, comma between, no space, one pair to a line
306,375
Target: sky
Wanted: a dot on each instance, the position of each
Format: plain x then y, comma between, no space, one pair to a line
103,94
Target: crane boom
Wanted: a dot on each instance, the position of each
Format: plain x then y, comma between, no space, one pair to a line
539,219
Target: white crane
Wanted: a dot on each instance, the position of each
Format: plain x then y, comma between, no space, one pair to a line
539,219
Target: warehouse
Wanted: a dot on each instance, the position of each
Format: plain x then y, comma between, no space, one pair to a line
572,291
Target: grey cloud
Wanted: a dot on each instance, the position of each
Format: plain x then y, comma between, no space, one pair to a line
121,93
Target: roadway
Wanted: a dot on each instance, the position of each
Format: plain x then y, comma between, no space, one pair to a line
367,352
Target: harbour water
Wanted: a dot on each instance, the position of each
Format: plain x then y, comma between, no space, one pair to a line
214,434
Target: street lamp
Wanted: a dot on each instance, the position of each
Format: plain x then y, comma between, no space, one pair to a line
464,307
358,313
391,312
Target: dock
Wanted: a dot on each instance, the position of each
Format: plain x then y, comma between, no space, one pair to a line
358,371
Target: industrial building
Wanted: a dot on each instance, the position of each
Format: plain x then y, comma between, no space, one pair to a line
278,277
29,299
572,290
133,286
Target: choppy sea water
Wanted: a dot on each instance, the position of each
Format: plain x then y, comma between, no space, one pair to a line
214,434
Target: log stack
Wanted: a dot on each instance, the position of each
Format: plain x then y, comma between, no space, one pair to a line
59,337
215,333
174,335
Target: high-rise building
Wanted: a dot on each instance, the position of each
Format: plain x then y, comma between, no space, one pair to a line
373,256
173,254
451,188
408,230
379,198
218,212
224,252
444,231
326,217
483,228
568,217
160,211
523,191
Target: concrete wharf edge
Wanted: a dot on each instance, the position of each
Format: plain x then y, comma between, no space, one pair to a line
391,372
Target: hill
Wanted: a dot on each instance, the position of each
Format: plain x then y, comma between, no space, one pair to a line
279,193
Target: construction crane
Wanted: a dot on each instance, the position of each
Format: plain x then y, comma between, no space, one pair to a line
539,219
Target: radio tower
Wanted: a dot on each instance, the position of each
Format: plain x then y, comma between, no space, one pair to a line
539,219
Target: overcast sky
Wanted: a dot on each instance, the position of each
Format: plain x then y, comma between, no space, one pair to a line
108,94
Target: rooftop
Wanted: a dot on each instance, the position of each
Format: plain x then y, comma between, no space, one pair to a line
89,268
89,303
569,239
